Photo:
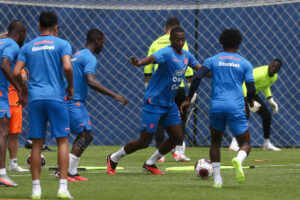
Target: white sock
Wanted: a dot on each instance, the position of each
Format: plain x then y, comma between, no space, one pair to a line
266,141
36,187
152,160
179,149
73,164
63,184
3,171
115,157
242,155
234,142
217,172
13,162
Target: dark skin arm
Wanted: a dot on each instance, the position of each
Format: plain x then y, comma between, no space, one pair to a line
68,71
96,85
22,93
142,62
5,67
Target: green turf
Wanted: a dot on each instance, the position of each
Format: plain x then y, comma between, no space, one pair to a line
268,183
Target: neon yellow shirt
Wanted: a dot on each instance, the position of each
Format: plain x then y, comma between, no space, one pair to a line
162,42
262,81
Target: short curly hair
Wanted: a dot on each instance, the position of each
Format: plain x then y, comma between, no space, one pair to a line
230,38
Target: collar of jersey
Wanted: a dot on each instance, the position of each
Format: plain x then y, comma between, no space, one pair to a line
177,52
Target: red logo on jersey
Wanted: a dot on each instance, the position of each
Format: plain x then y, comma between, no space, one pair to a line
44,42
174,60
186,61
229,57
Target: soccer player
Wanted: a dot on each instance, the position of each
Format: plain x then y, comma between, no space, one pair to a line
264,77
15,127
9,49
84,65
160,43
229,71
159,101
15,123
48,59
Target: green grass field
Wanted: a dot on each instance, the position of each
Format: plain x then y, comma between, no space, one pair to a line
263,183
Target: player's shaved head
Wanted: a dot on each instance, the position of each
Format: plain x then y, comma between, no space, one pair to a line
16,26
172,22
176,30
278,60
230,38
48,19
93,35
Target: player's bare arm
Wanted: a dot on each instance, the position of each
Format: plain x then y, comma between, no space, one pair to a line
142,62
66,60
5,67
22,93
96,85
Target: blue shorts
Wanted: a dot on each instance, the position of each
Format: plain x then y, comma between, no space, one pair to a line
152,114
42,111
237,122
4,107
79,117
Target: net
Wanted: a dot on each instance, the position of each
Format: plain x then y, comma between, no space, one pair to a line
270,29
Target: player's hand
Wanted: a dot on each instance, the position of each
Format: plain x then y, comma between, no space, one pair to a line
273,105
185,105
133,61
194,98
70,92
121,99
256,106
23,96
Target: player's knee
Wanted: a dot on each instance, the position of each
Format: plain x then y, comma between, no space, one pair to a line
144,144
84,139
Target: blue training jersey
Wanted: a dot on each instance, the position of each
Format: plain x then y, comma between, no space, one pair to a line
83,62
8,49
229,71
43,56
165,81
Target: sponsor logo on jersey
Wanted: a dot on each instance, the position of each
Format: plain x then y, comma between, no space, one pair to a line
230,57
221,64
44,42
175,60
45,47
73,59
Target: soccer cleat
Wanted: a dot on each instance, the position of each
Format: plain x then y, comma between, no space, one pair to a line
270,146
217,185
111,166
47,149
36,195
161,160
64,194
77,177
17,168
239,173
181,158
5,180
28,145
152,169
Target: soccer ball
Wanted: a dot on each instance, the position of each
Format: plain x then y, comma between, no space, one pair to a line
43,161
203,168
